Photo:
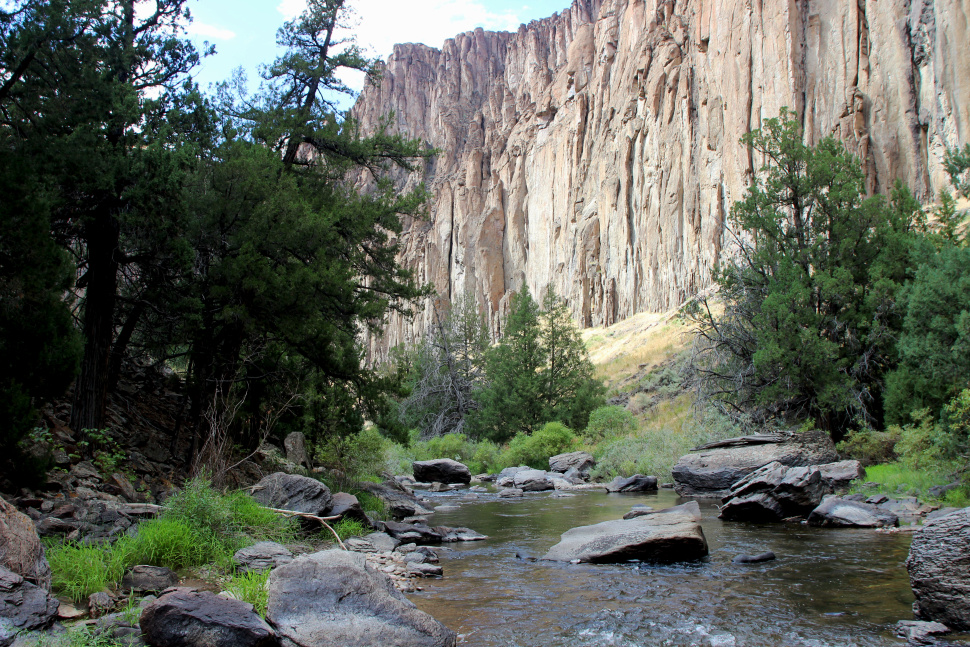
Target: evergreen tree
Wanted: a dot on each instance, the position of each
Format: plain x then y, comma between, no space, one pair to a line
569,391
539,372
809,321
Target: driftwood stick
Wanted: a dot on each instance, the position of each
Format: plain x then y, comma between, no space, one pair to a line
307,515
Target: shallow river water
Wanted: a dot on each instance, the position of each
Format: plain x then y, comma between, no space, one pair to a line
828,587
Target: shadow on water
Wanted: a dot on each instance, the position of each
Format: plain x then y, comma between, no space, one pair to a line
828,587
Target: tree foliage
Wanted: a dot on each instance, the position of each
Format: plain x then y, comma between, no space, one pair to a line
809,319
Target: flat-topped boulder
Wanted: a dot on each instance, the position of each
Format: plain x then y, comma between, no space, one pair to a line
714,470
670,535
334,598
400,502
939,570
835,512
840,475
441,470
262,556
185,616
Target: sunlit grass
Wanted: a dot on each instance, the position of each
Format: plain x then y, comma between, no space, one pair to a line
897,479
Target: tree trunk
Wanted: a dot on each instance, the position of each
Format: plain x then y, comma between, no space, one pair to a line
91,389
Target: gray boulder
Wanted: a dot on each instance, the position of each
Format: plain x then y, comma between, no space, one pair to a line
839,513
635,483
293,492
441,470
582,462
509,493
669,535
400,503
638,511
148,579
295,446
713,473
841,474
939,570
185,616
920,632
347,505
775,492
20,549
264,556
24,606
334,598
530,480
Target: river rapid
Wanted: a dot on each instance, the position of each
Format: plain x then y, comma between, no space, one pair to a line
827,588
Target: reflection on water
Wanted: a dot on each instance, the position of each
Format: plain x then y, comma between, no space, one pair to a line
828,587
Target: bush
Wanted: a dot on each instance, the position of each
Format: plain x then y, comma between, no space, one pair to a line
609,422
955,426
79,570
347,527
870,447
354,458
535,450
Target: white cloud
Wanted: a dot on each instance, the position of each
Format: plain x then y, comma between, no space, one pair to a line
382,23
210,31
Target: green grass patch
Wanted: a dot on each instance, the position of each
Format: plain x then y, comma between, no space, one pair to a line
251,587
198,526
898,479
348,528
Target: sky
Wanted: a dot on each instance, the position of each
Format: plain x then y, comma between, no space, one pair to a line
244,33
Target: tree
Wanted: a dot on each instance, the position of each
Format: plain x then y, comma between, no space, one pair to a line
291,263
809,320
539,372
449,368
569,391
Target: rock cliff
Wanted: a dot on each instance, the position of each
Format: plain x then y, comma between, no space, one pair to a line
597,150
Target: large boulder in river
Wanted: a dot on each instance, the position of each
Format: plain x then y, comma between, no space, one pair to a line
441,470
293,492
184,616
582,462
334,598
530,480
841,513
939,570
670,535
20,549
713,472
635,483
775,492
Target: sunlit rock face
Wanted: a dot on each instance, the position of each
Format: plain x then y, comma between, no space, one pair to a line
597,150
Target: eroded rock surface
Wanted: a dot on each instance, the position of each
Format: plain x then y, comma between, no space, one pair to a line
840,513
293,492
441,470
334,598
597,150
185,616
939,570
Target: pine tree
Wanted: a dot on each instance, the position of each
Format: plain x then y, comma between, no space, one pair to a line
809,324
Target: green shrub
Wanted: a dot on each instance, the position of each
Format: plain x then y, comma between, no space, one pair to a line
870,447
175,544
354,458
535,450
955,426
251,587
487,458
610,421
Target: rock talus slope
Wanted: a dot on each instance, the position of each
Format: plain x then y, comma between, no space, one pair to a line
597,150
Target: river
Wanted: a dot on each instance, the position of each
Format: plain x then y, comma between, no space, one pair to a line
827,588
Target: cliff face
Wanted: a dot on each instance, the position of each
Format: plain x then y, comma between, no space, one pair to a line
597,150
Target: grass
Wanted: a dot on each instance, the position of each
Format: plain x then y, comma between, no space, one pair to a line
198,526
898,479
74,637
251,587
347,527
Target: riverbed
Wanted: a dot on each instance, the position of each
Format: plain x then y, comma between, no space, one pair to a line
827,587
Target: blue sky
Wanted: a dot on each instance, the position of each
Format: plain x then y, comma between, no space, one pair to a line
244,33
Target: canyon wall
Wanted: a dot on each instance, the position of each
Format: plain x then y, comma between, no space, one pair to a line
597,150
